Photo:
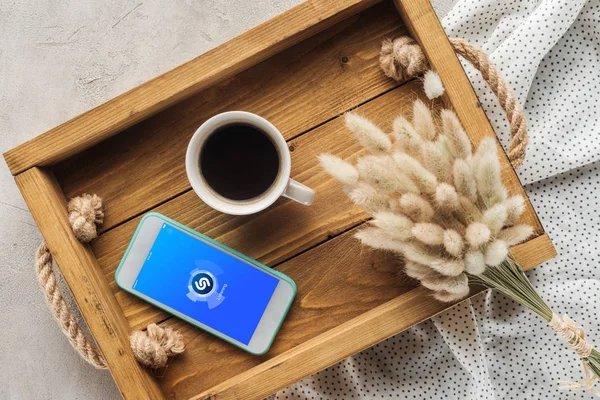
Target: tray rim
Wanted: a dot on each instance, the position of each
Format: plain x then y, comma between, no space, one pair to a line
109,327
213,67
350,337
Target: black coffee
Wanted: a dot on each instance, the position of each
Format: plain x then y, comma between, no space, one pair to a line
239,162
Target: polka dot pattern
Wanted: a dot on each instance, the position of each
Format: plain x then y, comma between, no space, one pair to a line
413,364
549,52
490,347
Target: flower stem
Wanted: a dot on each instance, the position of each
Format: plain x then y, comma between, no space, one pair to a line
509,279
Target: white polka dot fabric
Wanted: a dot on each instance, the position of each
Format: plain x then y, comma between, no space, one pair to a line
490,347
549,52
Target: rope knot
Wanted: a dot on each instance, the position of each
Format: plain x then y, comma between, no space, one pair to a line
402,58
154,346
151,348
85,213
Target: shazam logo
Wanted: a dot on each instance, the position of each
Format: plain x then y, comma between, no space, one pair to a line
203,283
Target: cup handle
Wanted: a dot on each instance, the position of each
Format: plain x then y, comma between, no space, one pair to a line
299,192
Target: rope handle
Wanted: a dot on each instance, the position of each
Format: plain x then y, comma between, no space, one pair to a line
152,347
61,311
402,59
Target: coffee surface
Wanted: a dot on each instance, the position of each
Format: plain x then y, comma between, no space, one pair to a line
239,162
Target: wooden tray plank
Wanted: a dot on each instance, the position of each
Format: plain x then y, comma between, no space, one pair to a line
337,281
232,57
534,251
90,289
325,349
296,90
351,281
281,231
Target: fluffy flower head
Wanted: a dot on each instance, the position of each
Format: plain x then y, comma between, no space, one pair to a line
436,200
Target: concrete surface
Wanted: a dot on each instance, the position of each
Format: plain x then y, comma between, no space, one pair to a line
57,60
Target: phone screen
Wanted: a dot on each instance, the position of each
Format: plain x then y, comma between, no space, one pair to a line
205,283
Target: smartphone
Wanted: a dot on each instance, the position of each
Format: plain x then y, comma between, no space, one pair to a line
205,283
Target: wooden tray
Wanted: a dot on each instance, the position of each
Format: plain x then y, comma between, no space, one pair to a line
301,70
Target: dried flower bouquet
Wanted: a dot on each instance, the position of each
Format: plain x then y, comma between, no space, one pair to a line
442,206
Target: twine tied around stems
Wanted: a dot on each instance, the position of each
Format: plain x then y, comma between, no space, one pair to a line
151,347
574,334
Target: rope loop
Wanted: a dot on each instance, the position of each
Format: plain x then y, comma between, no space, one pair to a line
402,59
152,348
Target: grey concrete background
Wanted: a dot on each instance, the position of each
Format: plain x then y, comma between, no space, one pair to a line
57,60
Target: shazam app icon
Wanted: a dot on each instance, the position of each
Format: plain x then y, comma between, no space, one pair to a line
203,285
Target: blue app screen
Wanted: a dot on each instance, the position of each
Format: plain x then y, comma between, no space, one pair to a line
205,283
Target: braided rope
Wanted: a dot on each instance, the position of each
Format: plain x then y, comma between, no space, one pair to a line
505,95
60,309
402,59
152,347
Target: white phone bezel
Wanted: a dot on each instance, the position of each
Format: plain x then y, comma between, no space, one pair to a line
135,258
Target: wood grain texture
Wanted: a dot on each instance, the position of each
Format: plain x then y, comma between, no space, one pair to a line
352,287
225,61
351,337
337,281
426,29
286,228
90,289
327,348
296,90
534,251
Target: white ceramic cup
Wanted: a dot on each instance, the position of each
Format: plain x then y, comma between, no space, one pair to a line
282,185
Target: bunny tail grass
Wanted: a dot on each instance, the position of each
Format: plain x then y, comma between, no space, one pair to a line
509,279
